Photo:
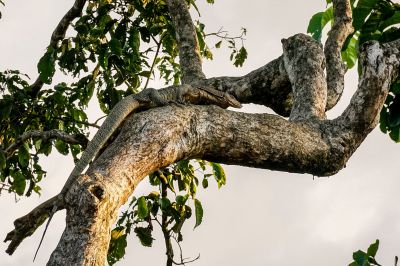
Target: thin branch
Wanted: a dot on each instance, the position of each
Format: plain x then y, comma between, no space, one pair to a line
154,61
95,125
59,34
335,68
46,135
98,119
183,262
223,34
186,38
4,186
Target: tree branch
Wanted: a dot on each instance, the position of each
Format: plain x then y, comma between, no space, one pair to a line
268,85
335,68
26,225
59,34
304,62
178,132
46,135
186,38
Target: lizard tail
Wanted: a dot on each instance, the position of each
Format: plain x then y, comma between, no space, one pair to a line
115,118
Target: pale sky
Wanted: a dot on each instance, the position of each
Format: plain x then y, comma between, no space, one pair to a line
260,217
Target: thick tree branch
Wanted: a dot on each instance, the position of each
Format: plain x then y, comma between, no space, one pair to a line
380,67
45,136
59,34
186,38
304,62
208,132
268,85
335,68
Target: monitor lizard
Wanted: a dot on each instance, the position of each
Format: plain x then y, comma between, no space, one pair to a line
148,98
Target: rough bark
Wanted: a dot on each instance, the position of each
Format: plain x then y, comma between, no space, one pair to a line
189,52
304,63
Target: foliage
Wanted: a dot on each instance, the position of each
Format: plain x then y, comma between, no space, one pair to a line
170,213
114,49
372,20
362,258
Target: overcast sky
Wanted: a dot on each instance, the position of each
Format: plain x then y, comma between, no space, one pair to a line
260,217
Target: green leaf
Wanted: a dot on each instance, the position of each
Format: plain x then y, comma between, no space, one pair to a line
19,183
240,57
115,46
219,174
134,38
361,258
144,235
143,211
6,105
165,203
118,243
46,66
373,248
383,120
395,134
218,44
395,19
181,200
318,22
23,156
361,12
61,147
204,183
350,55
198,209
3,160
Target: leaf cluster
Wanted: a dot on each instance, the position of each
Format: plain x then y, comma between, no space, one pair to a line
113,50
170,212
362,258
60,108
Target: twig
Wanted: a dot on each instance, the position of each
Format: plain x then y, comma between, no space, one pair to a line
95,122
154,61
46,135
183,262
